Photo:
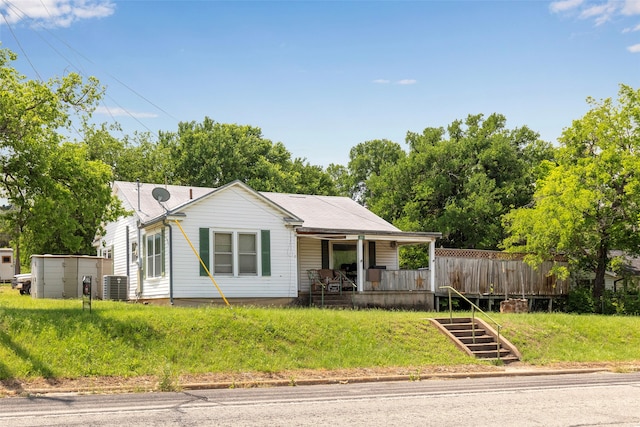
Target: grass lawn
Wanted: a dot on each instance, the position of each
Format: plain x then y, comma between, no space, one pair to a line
57,339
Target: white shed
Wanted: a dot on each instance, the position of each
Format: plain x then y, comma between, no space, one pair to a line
6,264
60,276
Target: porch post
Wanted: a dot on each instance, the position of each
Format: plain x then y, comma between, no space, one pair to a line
360,254
432,264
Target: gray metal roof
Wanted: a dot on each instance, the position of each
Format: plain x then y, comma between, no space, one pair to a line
148,208
328,214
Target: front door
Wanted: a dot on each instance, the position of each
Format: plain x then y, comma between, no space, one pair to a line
345,258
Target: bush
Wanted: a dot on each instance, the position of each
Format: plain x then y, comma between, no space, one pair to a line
580,300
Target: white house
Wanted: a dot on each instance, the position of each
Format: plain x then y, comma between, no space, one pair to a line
257,246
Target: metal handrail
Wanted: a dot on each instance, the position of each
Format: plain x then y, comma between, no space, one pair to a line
473,316
345,280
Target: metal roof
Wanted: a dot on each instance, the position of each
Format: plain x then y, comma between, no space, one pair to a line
318,214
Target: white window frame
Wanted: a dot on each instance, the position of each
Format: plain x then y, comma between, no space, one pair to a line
153,260
235,253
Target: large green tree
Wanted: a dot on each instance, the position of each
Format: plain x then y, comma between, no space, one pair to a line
588,202
370,159
211,154
33,117
65,218
460,181
132,157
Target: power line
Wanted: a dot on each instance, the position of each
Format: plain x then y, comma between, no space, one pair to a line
24,15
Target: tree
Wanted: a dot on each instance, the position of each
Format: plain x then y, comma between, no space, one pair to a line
131,158
32,114
369,159
460,181
79,198
211,154
588,202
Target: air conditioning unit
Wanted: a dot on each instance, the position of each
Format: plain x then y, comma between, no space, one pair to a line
115,288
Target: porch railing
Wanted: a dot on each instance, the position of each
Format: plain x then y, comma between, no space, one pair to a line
315,280
474,308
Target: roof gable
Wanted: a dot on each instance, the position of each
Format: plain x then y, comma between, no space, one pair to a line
314,212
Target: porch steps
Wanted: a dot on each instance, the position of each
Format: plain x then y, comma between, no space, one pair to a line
478,339
332,300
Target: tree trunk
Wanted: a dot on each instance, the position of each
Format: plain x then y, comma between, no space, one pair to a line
601,268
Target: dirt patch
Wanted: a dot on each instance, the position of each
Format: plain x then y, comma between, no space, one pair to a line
90,385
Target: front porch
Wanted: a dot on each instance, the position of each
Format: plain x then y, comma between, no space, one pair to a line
400,289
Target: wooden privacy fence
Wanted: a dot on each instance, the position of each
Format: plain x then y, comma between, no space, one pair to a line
477,272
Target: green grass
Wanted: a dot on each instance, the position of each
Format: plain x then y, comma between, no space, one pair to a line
545,338
56,339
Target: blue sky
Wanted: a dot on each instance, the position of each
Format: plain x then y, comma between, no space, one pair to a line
323,76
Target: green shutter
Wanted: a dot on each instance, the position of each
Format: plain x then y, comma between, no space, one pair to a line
325,253
265,238
144,256
204,250
372,254
162,253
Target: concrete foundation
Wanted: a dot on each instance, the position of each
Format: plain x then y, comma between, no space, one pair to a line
408,300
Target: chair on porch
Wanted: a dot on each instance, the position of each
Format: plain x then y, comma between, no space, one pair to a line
325,278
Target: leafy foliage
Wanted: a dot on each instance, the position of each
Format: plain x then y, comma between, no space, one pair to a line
57,199
587,204
369,159
212,154
462,184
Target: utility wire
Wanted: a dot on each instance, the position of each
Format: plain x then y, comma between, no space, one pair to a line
18,42
81,55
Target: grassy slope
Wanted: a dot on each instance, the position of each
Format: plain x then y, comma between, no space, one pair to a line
56,339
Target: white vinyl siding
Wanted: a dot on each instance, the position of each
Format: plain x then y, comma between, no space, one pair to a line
238,212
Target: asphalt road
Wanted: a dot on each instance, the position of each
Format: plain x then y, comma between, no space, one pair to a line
596,399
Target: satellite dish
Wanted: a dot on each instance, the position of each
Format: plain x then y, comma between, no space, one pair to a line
160,194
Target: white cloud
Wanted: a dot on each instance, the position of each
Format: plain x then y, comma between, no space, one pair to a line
121,112
601,12
55,13
382,81
632,29
564,5
631,7
634,49
406,82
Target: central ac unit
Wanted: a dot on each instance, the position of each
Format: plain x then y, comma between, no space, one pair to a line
115,288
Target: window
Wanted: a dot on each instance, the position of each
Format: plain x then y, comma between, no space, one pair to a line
154,255
236,253
344,254
134,252
106,252
6,259
247,255
223,253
